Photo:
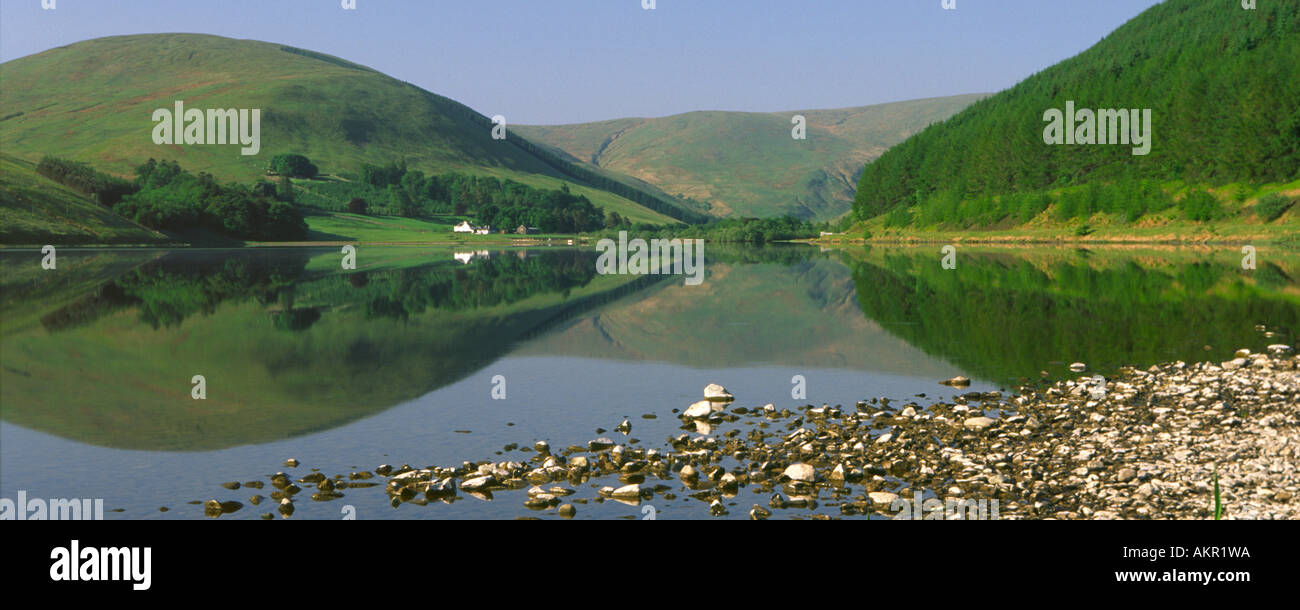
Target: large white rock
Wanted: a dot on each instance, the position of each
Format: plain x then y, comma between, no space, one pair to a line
478,483
627,491
801,472
882,498
714,391
700,409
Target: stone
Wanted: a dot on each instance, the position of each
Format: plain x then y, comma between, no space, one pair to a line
627,491
689,474
800,472
701,409
478,483
882,498
716,392
979,423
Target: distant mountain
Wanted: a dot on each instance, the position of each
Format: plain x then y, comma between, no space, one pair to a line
748,163
1222,84
93,101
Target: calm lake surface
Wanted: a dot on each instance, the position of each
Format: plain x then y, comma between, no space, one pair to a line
396,362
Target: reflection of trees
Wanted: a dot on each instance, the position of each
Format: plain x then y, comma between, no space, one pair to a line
501,280
179,285
1004,318
171,289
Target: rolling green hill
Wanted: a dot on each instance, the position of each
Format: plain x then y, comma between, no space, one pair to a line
93,102
1223,87
747,163
35,211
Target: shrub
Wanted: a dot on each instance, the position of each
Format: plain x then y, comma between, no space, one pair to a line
1270,207
294,166
357,205
1201,206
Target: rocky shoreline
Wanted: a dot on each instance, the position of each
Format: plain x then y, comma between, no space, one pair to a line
1147,444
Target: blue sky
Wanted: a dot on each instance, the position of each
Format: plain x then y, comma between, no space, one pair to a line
562,61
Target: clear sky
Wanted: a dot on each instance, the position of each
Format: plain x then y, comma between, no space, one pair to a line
565,61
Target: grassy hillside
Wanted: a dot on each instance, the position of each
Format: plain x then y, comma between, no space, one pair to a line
1222,84
93,101
36,211
746,163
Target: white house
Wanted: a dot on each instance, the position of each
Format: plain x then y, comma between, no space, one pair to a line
463,227
482,230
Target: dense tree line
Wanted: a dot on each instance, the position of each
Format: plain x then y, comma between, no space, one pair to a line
1224,90
731,230
164,196
104,189
397,190
170,198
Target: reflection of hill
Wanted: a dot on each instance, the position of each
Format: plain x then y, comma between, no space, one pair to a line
28,292
797,313
291,353
1003,314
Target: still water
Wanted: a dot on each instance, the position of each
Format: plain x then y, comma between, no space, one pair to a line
433,357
